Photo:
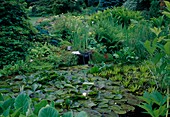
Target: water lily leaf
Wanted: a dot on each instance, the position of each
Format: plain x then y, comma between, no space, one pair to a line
92,93
69,86
101,84
118,97
19,77
60,92
75,105
35,86
89,104
4,90
82,114
109,95
103,110
127,107
51,97
103,105
59,102
48,89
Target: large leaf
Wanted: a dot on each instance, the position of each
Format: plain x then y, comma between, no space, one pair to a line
38,106
8,103
48,112
16,113
68,114
6,112
22,101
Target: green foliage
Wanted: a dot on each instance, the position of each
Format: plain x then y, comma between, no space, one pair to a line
40,7
100,57
21,106
48,7
155,104
125,55
102,4
16,32
120,15
116,38
149,8
22,102
40,57
64,6
159,50
48,112
75,30
167,13
135,79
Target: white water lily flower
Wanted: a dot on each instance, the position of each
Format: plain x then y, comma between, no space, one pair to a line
84,94
31,60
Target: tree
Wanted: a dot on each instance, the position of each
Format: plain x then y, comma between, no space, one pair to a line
16,32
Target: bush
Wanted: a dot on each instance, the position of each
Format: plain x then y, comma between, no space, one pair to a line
40,57
110,32
16,32
149,8
120,15
64,6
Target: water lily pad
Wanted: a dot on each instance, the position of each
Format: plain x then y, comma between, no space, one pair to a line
117,109
59,102
101,105
109,95
127,107
48,89
51,97
118,97
89,104
5,86
68,86
75,105
4,90
92,113
103,110
101,84
19,77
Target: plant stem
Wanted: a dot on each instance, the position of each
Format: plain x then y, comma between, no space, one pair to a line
167,101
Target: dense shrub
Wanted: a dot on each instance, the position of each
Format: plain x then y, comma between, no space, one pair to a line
49,7
119,29
16,32
120,15
64,6
150,8
40,7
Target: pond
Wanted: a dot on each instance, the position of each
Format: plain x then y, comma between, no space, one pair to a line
78,88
